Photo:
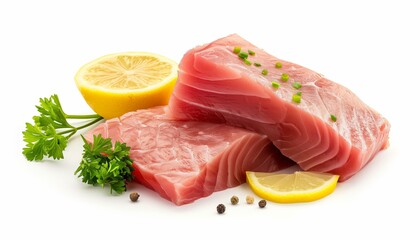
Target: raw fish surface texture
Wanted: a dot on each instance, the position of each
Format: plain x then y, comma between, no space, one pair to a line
187,160
216,85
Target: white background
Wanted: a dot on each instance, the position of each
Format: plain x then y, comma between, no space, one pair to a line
372,47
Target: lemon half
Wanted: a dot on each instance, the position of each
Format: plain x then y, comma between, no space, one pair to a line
122,82
292,188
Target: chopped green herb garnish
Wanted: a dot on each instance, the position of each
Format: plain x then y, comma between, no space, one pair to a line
243,55
299,93
285,77
257,64
247,62
252,53
296,98
297,85
278,65
333,118
275,84
264,72
237,49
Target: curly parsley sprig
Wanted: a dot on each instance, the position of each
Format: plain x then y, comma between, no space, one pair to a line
103,164
48,135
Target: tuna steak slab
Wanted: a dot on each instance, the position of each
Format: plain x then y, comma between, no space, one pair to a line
187,160
217,85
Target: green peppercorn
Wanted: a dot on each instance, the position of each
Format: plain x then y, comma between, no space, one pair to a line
262,203
234,200
134,196
221,208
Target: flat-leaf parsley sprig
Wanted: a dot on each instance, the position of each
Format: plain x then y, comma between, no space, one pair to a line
104,164
48,135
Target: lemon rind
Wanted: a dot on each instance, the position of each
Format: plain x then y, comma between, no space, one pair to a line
292,197
81,82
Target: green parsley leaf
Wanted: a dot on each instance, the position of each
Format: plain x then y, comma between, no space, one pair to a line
50,131
106,164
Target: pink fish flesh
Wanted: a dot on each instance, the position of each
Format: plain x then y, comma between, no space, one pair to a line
187,160
216,85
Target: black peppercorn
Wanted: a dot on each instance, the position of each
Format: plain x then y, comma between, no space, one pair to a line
134,196
221,208
262,203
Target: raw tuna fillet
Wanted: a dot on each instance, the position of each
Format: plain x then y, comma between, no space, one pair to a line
187,160
216,85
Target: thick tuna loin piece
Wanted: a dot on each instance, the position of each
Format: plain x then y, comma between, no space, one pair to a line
216,85
186,160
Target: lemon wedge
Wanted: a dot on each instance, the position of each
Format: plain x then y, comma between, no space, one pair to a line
292,188
122,82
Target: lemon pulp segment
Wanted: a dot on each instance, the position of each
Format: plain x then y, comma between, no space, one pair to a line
289,188
118,83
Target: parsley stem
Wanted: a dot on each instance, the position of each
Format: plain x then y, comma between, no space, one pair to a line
82,116
73,130
90,123
106,163
43,137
